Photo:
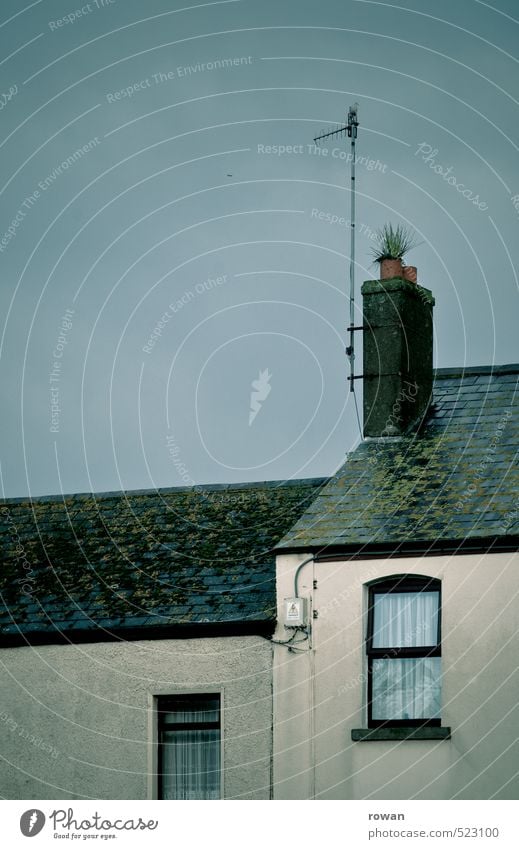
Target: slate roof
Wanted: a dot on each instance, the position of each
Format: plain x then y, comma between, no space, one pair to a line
141,564
196,561
456,481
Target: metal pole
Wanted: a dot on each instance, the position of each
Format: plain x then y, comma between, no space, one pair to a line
351,129
352,132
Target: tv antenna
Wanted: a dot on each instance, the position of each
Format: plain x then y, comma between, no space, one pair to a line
349,129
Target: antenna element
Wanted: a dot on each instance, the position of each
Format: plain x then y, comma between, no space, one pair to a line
351,130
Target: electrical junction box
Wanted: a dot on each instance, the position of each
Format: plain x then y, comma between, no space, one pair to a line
295,614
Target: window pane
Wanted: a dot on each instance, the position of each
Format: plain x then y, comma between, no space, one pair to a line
190,709
402,620
191,764
190,716
406,688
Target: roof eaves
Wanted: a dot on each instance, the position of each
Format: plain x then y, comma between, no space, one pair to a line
371,550
175,631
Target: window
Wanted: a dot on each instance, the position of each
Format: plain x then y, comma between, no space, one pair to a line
404,652
189,746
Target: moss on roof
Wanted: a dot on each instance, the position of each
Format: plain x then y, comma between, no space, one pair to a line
155,558
456,479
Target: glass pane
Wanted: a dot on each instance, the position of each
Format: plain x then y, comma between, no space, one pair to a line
191,764
406,688
403,620
191,710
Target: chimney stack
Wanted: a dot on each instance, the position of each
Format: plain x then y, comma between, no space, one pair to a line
398,347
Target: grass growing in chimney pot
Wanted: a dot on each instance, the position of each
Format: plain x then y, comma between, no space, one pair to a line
393,242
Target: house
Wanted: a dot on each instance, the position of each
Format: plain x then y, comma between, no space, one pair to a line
135,649
348,638
395,670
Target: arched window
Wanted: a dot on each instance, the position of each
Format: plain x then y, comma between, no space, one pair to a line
404,651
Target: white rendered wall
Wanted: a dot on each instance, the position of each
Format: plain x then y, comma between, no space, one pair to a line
77,721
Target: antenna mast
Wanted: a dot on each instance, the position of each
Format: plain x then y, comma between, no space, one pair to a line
351,130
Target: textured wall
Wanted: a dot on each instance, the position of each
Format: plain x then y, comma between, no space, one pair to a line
320,697
75,721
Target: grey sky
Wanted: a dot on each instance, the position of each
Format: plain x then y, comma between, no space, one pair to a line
173,214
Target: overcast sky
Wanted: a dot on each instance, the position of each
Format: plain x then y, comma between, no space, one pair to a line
161,246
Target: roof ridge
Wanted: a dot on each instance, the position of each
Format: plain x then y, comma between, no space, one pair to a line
461,371
201,488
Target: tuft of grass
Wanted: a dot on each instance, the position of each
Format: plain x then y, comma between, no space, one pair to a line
393,242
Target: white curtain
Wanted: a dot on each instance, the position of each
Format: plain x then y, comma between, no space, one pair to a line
191,757
405,619
406,688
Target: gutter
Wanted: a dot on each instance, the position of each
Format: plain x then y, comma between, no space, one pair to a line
182,631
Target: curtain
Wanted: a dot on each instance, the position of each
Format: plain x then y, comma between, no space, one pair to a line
405,619
406,688
190,755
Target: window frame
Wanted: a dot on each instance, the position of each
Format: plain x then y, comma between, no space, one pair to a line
399,584
165,703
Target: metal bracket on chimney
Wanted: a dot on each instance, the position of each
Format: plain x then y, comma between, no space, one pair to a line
386,374
349,349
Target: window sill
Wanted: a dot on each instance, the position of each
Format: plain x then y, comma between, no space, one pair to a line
361,735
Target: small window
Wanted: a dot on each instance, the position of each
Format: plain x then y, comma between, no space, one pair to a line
404,652
189,735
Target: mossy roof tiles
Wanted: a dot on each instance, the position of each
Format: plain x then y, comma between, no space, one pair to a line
456,479
151,558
